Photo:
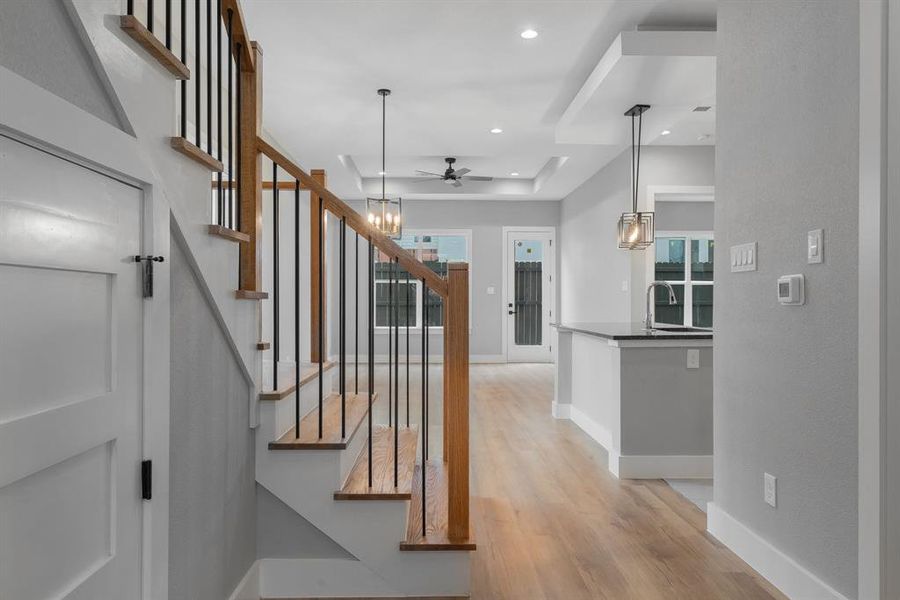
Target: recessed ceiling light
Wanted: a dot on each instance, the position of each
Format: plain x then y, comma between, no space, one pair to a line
529,34
514,174
382,172
665,132
496,130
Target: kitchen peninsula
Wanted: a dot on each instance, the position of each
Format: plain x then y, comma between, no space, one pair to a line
645,395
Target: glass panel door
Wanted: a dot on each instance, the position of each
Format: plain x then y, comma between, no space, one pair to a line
528,295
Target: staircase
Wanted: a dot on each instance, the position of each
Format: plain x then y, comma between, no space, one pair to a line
370,486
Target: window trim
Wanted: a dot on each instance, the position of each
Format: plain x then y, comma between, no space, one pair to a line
438,329
687,282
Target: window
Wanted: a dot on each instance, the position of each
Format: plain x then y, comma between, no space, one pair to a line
433,248
686,262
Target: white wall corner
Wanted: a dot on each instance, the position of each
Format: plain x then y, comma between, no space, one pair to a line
773,564
248,588
561,410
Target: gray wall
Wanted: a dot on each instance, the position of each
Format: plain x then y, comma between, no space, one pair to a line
592,267
786,377
685,216
40,42
282,533
212,528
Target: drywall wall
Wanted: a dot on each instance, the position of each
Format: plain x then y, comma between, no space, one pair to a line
786,377
685,216
212,528
282,533
39,41
592,268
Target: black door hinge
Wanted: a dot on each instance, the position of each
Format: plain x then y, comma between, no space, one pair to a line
147,261
147,479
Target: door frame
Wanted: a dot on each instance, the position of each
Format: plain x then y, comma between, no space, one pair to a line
42,120
551,231
879,302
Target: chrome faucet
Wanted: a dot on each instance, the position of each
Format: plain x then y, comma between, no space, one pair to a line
648,320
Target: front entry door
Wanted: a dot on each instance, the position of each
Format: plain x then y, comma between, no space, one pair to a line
528,295
70,380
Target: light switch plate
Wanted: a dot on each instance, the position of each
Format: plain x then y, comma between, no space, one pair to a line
815,248
491,291
770,492
743,257
693,358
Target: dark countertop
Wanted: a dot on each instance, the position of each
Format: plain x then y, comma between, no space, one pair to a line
630,331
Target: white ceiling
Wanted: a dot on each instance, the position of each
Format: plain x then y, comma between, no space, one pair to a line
456,69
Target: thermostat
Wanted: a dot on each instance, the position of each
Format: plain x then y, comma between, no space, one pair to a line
790,289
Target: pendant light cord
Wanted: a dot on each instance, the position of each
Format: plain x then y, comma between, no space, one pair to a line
383,113
636,164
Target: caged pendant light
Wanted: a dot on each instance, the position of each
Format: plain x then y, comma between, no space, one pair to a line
636,229
384,213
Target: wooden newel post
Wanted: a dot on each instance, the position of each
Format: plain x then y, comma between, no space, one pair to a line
456,399
250,176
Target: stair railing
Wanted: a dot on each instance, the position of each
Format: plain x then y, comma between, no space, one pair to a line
233,149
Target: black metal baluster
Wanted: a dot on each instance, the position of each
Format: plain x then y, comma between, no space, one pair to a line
275,329
150,16
297,309
371,350
196,73
238,142
184,61
129,7
424,395
321,325
220,198
397,374
427,297
356,317
168,24
209,149
342,263
231,179
407,348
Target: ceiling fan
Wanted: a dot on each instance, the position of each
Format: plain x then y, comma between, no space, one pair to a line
454,177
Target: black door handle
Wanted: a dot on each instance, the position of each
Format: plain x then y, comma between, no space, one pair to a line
512,312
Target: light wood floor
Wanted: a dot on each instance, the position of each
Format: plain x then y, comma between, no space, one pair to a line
551,522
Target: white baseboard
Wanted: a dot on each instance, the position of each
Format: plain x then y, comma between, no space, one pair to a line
773,564
679,466
637,466
248,588
319,578
561,410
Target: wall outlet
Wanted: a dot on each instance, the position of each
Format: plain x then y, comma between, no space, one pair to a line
770,489
693,358
624,285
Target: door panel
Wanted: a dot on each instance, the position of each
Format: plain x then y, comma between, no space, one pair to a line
70,363
529,295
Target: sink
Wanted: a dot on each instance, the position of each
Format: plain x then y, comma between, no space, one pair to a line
682,329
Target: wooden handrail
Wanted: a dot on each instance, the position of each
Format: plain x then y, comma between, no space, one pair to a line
247,57
357,222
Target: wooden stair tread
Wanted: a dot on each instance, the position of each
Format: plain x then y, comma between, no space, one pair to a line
196,154
357,485
228,233
250,295
436,525
136,31
308,372
357,408
263,345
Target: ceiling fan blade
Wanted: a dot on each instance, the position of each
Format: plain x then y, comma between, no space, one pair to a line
429,173
421,179
461,172
457,183
477,178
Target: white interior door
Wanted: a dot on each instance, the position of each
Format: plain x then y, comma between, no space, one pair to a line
528,294
71,369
